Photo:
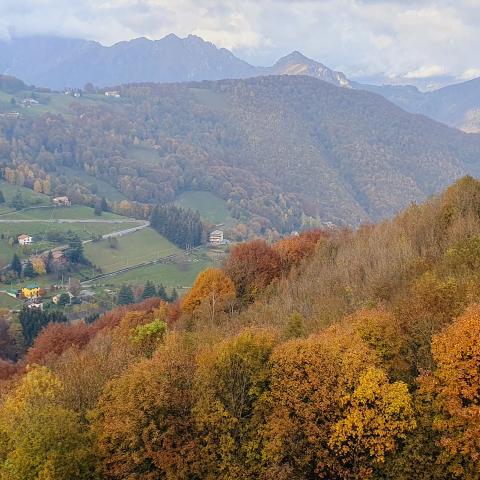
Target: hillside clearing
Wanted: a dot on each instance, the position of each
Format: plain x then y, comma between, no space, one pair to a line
141,246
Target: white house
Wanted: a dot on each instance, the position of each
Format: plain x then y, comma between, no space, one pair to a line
113,93
24,239
216,237
62,201
29,102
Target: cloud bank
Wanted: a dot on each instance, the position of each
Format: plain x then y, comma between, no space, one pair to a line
409,39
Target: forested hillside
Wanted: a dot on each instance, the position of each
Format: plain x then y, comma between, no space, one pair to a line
284,152
332,355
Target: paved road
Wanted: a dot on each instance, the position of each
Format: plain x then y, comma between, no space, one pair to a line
74,220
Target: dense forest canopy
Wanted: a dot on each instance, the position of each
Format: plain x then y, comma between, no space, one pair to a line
334,354
285,152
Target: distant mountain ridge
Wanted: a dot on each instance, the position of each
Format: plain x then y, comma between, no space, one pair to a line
58,63
61,62
456,105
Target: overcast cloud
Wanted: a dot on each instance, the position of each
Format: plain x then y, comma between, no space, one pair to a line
398,38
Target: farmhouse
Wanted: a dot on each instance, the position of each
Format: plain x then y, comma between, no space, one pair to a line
62,201
24,239
29,102
31,291
216,237
113,93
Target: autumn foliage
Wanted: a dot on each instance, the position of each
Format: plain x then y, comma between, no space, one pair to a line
340,356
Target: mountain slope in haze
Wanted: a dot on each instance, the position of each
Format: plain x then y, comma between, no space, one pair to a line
57,63
456,105
278,147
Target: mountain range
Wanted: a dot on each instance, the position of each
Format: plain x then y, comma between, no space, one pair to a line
61,62
58,63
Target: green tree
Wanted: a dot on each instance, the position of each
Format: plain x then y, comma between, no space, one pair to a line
49,262
74,252
104,205
162,293
16,265
29,271
33,320
17,201
125,295
149,290
63,299
173,296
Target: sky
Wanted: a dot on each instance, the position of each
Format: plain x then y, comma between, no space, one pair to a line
401,40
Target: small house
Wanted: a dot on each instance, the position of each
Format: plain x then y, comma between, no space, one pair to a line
31,291
29,102
56,298
216,237
35,304
24,239
112,93
62,201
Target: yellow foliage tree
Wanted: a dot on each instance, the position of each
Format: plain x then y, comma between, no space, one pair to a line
39,265
39,438
376,416
231,381
309,381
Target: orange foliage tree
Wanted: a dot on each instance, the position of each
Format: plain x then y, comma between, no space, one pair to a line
142,422
322,398
455,386
212,289
252,266
294,249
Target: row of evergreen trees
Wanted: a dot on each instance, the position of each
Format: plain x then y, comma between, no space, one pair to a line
126,295
182,227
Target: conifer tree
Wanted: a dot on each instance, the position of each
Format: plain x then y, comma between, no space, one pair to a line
125,295
16,265
149,290
29,271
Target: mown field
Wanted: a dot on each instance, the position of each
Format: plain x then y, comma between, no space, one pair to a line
180,274
39,229
132,249
51,102
31,197
211,208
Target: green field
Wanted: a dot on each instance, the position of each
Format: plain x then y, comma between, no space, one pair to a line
211,208
180,275
135,248
144,154
30,196
52,102
8,302
95,185
76,212
39,229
